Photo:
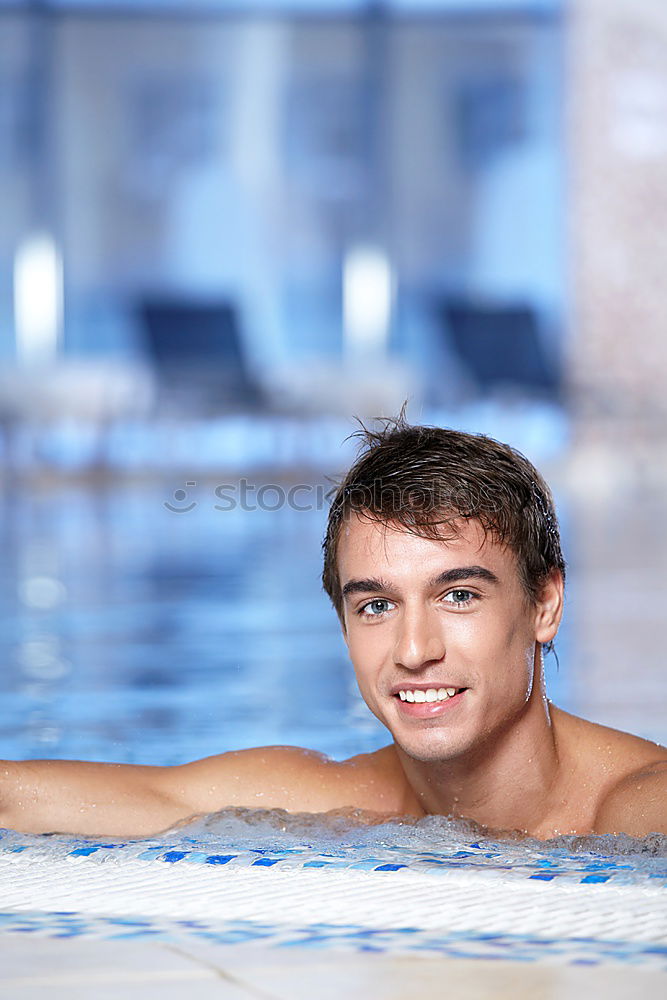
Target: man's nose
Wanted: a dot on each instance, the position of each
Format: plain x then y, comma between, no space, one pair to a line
420,639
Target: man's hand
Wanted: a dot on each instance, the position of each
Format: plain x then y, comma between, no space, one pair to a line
637,805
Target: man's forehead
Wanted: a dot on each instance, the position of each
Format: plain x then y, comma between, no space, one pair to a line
365,540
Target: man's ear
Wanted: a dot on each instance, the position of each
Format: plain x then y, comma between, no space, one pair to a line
549,607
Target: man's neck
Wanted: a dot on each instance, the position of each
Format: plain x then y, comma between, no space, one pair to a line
507,784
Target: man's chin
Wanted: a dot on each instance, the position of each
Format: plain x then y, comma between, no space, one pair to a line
429,751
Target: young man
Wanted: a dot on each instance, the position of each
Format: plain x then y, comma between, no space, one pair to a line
443,561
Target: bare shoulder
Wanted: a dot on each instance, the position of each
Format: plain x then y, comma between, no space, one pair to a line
612,751
378,781
624,775
284,777
637,804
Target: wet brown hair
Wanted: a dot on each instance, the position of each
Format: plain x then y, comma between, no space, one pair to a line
425,479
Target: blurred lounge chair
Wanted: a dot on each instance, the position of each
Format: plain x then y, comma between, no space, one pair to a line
500,347
196,351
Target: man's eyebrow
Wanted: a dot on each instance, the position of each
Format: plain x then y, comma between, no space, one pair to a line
368,586
372,585
464,573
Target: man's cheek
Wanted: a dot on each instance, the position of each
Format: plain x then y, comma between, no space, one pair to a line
366,654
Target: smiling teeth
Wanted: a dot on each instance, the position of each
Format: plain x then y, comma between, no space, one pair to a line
431,694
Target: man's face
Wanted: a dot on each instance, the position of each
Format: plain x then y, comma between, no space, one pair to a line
423,615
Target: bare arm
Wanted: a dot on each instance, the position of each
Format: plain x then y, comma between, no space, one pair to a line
637,805
68,796
45,796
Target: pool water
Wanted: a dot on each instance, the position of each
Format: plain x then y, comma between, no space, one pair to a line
159,638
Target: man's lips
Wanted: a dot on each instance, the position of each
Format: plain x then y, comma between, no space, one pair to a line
429,709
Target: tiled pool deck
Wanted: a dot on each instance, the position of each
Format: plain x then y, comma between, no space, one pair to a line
34,968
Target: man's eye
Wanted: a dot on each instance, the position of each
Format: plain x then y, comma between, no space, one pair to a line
460,596
375,608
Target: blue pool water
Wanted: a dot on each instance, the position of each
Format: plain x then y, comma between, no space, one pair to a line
162,637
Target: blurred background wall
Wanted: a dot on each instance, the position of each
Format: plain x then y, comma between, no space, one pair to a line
299,208
617,247
226,229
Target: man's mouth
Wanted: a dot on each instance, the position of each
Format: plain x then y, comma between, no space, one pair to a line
423,695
